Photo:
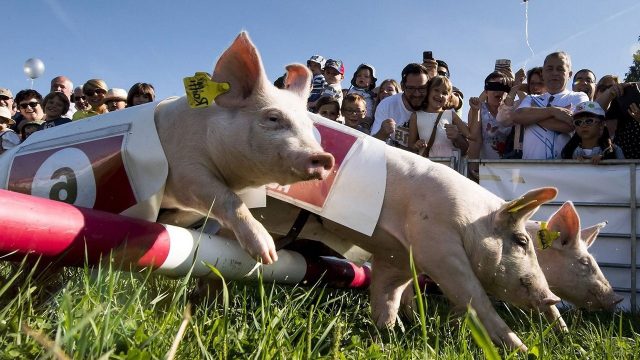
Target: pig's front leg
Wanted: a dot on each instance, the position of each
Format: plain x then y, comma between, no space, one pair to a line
447,264
388,281
230,211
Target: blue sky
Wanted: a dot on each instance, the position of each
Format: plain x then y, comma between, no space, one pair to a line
160,42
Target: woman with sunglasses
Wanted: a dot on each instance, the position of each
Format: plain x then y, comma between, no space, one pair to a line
30,108
96,91
591,139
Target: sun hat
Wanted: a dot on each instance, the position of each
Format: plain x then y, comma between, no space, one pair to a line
589,107
5,116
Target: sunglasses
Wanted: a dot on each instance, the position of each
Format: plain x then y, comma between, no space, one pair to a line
95,92
5,98
78,98
587,121
32,104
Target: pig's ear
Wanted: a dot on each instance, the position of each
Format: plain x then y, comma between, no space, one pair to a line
524,207
589,235
240,65
567,222
298,80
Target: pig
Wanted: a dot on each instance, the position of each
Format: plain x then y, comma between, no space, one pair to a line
572,273
253,135
465,238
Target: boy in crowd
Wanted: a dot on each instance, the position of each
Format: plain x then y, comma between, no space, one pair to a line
328,107
8,138
316,65
354,110
547,118
333,75
363,83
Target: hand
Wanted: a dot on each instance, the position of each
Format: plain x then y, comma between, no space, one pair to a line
483,97
519,77
420,144
452,131
562,114
388,127
634,111
474,103
595,160
615,91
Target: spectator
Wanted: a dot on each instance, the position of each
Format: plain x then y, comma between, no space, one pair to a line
547,118
333,75
28,127
623,116
80,100
56,105
279,83
585,81
430,64
443,69
491,135
387,88
29,104
64,85
434,131
8,138
95,90
591,139
116,99
316,65
6,99
363,82
328,107
396,109
354,110
141,93
535,84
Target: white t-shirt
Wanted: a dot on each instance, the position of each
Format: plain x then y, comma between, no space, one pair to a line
541,143
442,146
390,107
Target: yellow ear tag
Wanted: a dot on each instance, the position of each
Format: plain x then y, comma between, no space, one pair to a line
202,91
546,236
517,206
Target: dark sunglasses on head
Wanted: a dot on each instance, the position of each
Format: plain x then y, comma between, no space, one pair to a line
96,91
32,104
587,121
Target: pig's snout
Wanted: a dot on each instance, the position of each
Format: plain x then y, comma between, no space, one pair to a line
319,165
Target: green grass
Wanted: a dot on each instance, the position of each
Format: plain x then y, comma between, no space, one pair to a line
107,314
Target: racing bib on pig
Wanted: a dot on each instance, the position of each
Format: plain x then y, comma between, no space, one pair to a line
112,162
352,195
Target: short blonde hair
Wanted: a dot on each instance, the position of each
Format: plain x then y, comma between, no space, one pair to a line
95,84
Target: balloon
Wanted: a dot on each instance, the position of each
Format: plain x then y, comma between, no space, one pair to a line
33,68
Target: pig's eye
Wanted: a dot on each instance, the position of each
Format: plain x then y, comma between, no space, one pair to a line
520,239
584,261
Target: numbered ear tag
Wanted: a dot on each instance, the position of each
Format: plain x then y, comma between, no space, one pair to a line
546,236
202,91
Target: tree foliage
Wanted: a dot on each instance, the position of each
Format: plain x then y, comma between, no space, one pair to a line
634,70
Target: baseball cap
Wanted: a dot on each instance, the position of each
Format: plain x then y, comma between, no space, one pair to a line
336,64
116,94
5,92
5,116
317,59
589,107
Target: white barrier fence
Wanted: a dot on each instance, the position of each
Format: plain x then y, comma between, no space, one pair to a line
605,192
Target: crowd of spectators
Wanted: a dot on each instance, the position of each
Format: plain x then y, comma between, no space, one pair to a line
29,111
526,115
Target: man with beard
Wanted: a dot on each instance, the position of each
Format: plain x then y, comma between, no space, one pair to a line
585,81
395,110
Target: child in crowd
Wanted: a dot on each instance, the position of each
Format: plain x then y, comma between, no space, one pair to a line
328,107
363,83
55,105
8,138
333,74
354,111
140,93
318,83
387,88
450,130
591,139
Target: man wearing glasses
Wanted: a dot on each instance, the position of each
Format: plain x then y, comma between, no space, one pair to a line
396,109
6,99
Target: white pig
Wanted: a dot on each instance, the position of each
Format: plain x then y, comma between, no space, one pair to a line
253,135
465,238
572,273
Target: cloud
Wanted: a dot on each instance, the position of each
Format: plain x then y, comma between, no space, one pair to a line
61,15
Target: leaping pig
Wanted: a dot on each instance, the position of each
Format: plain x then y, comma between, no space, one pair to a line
572,273
465,238
255,134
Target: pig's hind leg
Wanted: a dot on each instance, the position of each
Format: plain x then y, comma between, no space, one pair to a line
443,258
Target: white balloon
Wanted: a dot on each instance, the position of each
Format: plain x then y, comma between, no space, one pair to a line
33,68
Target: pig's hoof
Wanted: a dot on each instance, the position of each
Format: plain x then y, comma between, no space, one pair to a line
258,243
